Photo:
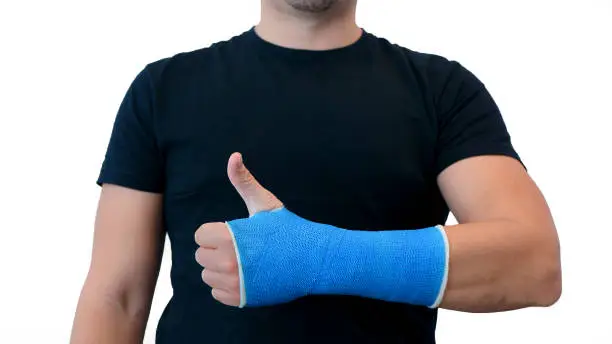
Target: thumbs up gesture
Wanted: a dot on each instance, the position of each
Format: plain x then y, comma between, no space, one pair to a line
217,252
275,256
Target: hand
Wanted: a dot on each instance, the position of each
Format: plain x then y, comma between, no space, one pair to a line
216,252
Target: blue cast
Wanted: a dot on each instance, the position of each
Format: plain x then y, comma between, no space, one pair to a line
283,257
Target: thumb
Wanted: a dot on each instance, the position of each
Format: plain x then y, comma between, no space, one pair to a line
255,196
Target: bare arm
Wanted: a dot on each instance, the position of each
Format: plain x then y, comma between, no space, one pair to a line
128,243
504,253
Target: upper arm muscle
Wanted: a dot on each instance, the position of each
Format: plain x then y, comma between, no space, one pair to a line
128,242
489,188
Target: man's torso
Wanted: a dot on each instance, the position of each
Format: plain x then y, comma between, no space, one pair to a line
346,137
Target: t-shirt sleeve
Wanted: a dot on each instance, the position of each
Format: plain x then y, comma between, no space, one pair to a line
469,120
133,158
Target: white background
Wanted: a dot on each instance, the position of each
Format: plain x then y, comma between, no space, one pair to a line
65,66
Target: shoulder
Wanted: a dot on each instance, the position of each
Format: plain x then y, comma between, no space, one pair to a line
435,71
186,65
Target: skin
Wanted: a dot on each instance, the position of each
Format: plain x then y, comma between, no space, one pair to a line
504,252
116,297
283,23
128,241
312,6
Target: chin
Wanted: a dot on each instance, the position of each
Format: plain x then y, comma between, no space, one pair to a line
313,6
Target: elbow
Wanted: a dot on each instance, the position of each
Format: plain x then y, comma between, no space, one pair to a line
128,299
130,305
548,286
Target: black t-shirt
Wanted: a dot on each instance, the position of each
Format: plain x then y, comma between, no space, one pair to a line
353,137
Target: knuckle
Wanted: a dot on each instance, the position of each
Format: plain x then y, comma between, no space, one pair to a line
229,265
246,177
227,238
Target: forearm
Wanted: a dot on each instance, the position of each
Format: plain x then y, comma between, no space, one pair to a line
475,267
501,265
480,267
105,318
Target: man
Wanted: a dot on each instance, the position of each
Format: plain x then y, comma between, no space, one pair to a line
358,148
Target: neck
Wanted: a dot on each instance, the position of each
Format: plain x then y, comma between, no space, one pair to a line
287,27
